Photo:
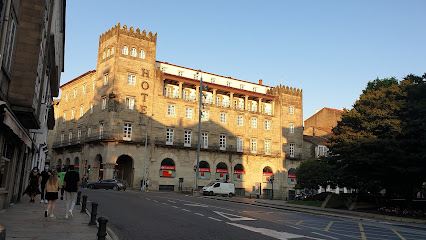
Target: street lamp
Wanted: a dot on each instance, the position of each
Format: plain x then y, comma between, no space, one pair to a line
144,157
199,128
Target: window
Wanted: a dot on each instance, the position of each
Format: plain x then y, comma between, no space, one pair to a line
103,55
10,42
94,85
91,108
180,73
196,76
127,132
254,123
66,96
108,53
72,113
205,115
223,117
104,101
89,131
241,86
205,140
228,84
253,145
239,144
62,137
112,50
133,52
254,89
79,134
125,50
188,112
171,110
291,128
130,103
164,69
267,124
213,80
291,152
187,138
75,92
142,54
222,142
322,151
81,110
131,79
101,130
169,136
106,78
268,147
65,116
218,101
70,136
240,120
291,109
84,88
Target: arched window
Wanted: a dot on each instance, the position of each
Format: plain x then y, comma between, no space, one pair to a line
125,50
204,170
112,50
267,173
133,52
239,173
221,171
103,55
168,168
108,53
142,54
291,179
76,164
67,162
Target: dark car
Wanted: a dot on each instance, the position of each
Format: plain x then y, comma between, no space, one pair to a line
108,184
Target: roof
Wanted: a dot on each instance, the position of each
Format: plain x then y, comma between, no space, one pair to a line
326,108
315,140
215,74
75,79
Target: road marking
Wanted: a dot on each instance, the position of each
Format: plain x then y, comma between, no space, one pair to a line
171,201
328,226
195,205
175,207
360,227
397,233
215,219
270,232
186,210
199,214
155,200
299,222
363,237
148,199
293,227
324,235
233,217
165,203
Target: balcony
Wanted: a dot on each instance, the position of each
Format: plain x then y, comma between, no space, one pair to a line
171,94
189,98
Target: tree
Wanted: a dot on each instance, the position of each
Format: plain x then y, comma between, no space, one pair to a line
380,143
314,173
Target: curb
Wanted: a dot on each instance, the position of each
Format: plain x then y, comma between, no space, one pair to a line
324,212
110,233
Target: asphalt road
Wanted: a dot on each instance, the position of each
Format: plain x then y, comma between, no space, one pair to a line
162,215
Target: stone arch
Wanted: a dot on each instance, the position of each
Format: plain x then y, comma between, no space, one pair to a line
96,169
124,169
67,162
221,172
238,172
168,168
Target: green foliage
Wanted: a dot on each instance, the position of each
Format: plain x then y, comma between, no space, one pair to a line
314,173
381,142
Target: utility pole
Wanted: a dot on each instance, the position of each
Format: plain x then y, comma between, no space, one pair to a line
199,127
144,157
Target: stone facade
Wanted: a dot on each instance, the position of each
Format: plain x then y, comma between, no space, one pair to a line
321,123
250,131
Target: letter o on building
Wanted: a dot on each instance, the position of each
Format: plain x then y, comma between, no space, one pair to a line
145,85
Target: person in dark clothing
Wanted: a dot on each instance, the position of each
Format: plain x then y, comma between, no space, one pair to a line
71,184
44,177
33,183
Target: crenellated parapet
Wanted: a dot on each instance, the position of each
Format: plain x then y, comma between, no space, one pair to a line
281,89
117,30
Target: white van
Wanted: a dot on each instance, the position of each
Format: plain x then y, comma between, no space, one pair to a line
220,188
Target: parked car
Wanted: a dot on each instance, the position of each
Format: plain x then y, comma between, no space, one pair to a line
108,184
220,188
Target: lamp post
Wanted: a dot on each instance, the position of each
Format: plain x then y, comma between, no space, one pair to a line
199,127
144,157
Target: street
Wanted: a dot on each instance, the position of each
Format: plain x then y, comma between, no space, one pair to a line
164,215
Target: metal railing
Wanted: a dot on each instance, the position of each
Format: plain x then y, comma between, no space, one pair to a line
171,94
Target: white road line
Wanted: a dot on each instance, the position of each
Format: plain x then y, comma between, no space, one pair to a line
215,219
148,199
324,235
270,232
175,207
171,201
155,200
165,203
186,210
293,227
199,214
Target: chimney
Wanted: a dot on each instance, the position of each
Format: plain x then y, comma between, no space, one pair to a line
260,81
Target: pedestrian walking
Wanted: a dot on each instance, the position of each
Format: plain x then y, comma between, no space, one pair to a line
84,181
33,184
45,174
71,184
147,183
61,177
52,187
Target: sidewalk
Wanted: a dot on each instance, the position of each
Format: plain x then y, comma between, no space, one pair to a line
26,221
280,204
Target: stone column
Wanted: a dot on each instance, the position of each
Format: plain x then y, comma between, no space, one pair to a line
108,170
214,96
231,100
273,108
246,103
180,90
197,93
259,109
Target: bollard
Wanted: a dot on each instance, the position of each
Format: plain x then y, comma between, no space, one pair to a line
83,206
2,232
93,213
102,232
78,198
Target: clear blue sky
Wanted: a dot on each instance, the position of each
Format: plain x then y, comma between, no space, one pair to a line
329,48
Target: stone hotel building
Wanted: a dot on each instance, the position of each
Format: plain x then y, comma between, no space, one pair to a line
134,114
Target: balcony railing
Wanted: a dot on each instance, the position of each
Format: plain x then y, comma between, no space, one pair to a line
189,98
171,94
